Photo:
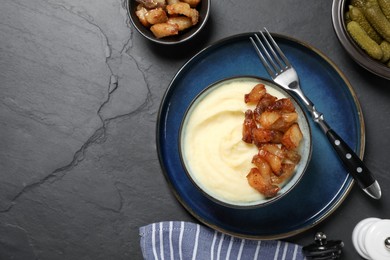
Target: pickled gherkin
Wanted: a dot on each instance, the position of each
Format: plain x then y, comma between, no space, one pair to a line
385,46
377,19
357,15
358,3
347,17
368,24
364,41
385,7
371,2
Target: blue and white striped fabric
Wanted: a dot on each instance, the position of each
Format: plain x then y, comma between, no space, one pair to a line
183,240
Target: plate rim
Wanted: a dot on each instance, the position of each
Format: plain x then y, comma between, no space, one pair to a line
294,232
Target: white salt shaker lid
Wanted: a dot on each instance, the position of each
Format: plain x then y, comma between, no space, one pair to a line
359,234
371,238
376,239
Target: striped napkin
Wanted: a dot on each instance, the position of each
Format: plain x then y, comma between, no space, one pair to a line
184,240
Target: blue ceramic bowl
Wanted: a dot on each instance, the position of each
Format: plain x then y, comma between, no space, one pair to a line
305,148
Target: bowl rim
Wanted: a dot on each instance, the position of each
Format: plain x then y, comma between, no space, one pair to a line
169,40
265,201
355,52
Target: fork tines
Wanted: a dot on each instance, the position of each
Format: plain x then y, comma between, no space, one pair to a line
264,47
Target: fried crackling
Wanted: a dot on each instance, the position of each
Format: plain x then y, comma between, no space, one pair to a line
291,156
184,9
141,14
161,30
281,161
277,136
286,172
274,149
263,103
255,94
192,3
282,105
261,136
290,117
268,118
248,126
155,16
263,166
292,137
170,2
152,3
284,122
182,21
259,179
273,160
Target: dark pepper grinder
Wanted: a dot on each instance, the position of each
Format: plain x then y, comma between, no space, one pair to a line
323,249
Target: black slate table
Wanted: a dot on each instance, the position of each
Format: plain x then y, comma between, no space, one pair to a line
80,91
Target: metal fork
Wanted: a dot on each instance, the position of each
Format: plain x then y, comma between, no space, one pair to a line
284,74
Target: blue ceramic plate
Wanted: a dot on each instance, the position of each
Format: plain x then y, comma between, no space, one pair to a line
325,185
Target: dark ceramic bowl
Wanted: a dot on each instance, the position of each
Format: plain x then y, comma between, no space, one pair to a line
339,8
204,11
187,154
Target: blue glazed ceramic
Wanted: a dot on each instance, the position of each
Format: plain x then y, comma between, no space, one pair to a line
305,147
326,184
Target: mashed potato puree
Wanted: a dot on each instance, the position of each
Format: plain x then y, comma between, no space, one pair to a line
216,157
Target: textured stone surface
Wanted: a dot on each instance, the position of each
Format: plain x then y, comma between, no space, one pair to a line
80,92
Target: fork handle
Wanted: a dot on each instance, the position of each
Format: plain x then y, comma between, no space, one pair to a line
349,158
354,165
